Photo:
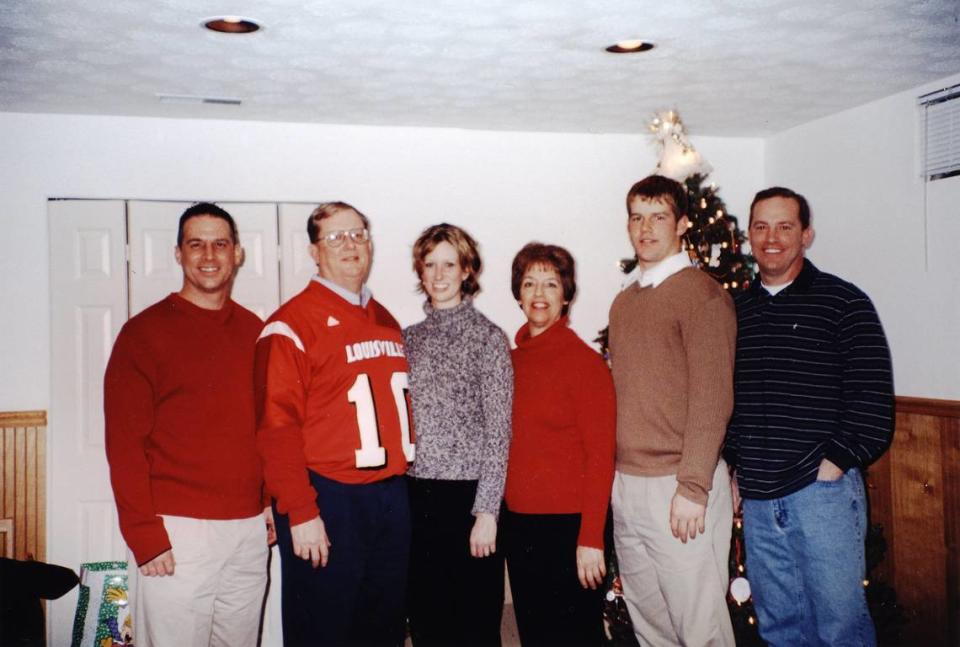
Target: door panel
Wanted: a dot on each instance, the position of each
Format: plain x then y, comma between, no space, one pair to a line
297,267
258,280
89,305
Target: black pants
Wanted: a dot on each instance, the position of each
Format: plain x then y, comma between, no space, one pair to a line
454,598
552,607
357,598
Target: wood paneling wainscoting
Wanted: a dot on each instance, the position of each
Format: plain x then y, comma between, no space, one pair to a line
23,486
914,492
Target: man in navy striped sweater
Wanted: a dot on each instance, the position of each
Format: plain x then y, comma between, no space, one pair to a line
813,405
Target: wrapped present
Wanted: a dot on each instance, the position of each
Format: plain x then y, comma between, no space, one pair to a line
103,611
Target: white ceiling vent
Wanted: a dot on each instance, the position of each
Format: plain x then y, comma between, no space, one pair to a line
941,133
192,99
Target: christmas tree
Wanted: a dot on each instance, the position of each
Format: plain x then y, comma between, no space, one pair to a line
746,632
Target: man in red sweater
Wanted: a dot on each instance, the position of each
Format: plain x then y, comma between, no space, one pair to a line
335,436
180,439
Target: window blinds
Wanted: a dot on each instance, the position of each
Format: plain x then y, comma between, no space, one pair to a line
941,125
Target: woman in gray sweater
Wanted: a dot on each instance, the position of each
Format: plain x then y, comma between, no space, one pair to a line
461,388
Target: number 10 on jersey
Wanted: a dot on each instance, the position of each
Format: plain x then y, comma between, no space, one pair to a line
371,454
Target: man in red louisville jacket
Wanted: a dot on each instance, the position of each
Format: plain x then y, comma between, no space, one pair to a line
335,436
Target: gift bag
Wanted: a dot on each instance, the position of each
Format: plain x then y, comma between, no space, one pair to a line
103,612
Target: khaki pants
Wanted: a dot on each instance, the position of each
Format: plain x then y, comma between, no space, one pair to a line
675,592
216,592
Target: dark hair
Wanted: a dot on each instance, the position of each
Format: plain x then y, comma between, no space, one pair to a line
206,209
461,241
783,192
552,256
658,187
327,210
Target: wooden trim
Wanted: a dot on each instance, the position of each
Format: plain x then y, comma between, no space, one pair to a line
23,418
41,530
23,483
928,407
6,530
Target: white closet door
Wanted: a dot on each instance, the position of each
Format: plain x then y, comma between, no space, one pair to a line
154,272
258,281
297,265
88,280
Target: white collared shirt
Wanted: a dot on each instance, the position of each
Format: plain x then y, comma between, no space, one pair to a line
660,272
351,297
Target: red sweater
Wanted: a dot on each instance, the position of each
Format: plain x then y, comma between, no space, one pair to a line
564,430
331,389
180,425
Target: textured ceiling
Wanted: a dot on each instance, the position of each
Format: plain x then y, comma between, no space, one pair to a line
732,67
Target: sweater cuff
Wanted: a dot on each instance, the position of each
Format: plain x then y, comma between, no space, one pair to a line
303,513
840,456
591,532
151,547
692,491
488,499
495,513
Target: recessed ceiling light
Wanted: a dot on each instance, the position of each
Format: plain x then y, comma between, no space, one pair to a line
630,46
231,24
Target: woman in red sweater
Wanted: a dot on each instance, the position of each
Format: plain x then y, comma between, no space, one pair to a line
560,468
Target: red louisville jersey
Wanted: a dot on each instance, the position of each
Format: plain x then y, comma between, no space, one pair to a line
331,386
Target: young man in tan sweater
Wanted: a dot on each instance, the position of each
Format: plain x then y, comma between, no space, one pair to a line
672,337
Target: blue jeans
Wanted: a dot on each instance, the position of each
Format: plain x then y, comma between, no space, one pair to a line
805,563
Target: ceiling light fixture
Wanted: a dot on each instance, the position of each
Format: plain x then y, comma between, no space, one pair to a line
630,46
231,24
186,99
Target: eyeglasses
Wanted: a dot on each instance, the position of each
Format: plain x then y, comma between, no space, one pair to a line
337,238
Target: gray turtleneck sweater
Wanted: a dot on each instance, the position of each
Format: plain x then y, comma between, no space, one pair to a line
461,387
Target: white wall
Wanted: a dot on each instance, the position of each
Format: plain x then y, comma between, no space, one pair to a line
875,226
505,188
859,169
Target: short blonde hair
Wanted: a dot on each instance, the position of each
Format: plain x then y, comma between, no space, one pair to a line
461,241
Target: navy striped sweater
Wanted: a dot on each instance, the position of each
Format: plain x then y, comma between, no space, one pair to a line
812,380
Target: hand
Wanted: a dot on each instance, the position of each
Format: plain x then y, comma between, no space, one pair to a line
310,541
160,565
828,471
686,517
483,537
735,492
271,526
591,567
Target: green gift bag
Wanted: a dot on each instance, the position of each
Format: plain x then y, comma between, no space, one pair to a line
103,613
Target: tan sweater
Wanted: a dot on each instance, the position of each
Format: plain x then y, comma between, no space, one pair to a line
672,350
